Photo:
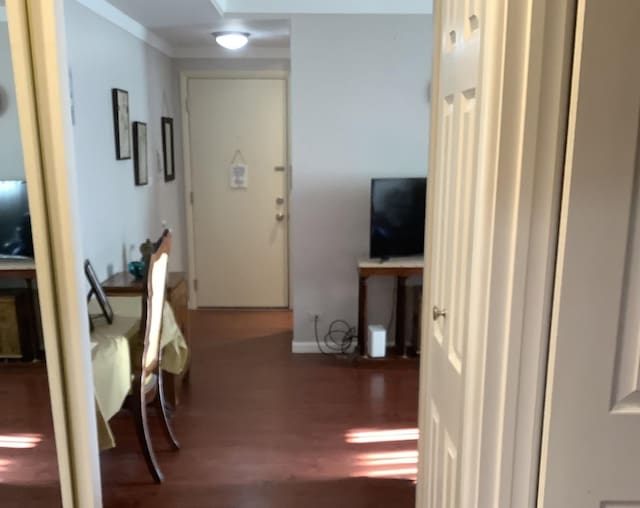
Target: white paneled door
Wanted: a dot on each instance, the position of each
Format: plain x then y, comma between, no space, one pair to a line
237,137
591,440
454,182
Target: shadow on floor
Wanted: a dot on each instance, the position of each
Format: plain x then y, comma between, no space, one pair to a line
339,493
31,496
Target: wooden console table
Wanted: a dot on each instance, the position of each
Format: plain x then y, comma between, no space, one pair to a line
125,284
25,270
401,268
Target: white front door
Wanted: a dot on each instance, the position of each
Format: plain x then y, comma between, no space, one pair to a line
591,439
453,182
237,134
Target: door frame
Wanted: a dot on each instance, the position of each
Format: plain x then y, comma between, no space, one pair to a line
188,175
38,49
522,149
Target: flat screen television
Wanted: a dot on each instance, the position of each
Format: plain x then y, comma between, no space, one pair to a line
397,217
15,221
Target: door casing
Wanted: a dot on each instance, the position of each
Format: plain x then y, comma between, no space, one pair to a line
37,34
188,178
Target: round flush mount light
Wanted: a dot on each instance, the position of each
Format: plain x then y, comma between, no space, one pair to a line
231,40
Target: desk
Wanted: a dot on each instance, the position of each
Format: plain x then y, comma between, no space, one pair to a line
401,268
24,269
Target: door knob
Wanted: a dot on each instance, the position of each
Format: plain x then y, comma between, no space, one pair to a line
438,313
279,217
279,201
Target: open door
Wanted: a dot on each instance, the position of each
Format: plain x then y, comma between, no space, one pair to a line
450,249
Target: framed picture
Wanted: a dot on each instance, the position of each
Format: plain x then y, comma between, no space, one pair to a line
97,291
120,100
140,165
167,149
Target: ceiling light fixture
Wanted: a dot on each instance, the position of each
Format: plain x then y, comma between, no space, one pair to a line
231,40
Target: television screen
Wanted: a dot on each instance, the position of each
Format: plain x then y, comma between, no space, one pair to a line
397,217
15,222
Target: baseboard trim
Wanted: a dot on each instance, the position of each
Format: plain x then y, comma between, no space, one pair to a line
302,348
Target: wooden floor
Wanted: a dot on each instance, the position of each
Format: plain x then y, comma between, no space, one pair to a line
259,427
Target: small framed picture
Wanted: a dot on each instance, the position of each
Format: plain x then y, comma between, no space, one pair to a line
121,123
98,291
140,164
167,149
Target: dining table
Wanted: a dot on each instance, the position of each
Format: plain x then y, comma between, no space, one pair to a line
113,349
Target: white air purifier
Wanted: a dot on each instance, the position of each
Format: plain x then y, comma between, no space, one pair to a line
377,343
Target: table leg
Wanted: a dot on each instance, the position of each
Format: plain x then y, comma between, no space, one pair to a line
362,315
34,352
401,346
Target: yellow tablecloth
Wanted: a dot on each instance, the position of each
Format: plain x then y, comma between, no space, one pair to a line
111,361
112,349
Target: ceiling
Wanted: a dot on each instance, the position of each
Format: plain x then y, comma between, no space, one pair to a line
188,24
183,27
168,13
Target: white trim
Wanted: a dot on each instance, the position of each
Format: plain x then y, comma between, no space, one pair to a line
220,6
28,119
525,213
186,154
186,159
303,348
3,14
120,19
49,167
215,51
235,7
299,348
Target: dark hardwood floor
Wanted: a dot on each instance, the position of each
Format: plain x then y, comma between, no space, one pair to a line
260,427
28,468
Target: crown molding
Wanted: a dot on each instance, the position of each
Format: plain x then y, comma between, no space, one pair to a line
217,52
120,19
239,7
220,6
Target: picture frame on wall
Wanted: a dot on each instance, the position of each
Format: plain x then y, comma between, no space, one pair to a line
168,153
121,123
140,161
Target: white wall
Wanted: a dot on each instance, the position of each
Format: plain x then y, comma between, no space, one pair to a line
359,110
11,164
116,215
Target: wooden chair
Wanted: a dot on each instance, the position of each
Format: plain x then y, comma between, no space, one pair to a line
147,385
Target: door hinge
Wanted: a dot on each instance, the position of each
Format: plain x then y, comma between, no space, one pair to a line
191,197
195,284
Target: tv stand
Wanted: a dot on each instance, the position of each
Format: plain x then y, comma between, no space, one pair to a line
401,268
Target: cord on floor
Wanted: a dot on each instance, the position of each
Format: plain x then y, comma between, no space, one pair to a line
339,339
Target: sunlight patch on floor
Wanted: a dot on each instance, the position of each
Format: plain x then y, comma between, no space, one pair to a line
381,435
20,441
397,464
